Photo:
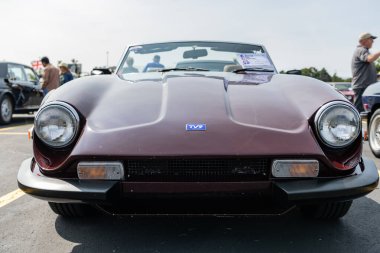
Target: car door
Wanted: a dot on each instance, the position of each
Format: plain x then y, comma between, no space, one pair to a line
21,88
37,94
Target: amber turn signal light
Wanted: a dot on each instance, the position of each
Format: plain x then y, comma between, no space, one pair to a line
30,133
295,168
100,170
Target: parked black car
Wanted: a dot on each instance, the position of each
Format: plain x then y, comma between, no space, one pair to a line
20,90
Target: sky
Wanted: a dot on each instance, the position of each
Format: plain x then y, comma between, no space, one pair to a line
296,33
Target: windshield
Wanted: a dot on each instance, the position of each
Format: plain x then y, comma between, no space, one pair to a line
343,86
194,56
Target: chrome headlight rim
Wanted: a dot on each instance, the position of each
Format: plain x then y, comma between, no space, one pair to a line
324,109
67,108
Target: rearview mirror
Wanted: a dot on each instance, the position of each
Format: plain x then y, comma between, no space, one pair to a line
195,53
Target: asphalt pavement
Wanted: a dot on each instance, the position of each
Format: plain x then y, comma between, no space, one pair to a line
28,225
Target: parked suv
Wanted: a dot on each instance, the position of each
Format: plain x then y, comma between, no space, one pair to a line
20,90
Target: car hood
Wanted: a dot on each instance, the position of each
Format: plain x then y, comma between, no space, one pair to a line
256,114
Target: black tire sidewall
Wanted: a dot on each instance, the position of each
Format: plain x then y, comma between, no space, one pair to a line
327,211
70,210
2,120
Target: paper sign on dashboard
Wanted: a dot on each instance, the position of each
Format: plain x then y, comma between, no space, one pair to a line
253,60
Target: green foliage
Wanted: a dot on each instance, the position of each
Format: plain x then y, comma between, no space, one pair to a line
336,78
323,75
377,64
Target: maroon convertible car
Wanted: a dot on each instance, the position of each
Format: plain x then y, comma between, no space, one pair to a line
197,128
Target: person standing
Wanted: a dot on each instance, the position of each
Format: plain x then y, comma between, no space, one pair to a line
66,75
155,64
130,68
363,68
50,76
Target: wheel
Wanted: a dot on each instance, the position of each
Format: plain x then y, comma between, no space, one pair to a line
6,110
374,133
70,209
327,211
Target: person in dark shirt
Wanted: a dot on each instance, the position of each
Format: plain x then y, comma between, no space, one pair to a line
130,68
155,64
66,75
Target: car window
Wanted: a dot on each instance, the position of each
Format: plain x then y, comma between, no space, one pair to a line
30,75
211,56
16,72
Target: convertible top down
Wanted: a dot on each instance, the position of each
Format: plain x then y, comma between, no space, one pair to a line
197,127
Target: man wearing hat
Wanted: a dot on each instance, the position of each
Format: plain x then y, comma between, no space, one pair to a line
363,68
66,75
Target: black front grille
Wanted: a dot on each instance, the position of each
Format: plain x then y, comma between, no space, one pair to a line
197,170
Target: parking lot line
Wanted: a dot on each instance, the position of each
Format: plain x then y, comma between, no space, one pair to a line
13,133
8,198
12,127
8,128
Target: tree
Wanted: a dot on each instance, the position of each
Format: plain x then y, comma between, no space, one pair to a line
377,65
312,72
323,75
336,78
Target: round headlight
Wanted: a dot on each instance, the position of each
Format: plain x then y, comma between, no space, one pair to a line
337,124
57,124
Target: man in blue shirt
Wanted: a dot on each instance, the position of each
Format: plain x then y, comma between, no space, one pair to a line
155,64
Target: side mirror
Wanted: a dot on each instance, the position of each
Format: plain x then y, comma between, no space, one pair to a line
101,71
6,80
294,72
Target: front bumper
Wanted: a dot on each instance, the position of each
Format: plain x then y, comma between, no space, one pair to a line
291,191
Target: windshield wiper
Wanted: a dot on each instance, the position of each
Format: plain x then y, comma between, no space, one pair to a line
253,70
183,69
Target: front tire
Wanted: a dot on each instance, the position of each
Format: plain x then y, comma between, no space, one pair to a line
327,211
6,110
374,133
70,210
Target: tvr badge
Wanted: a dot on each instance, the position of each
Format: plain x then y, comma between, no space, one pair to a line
196,127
